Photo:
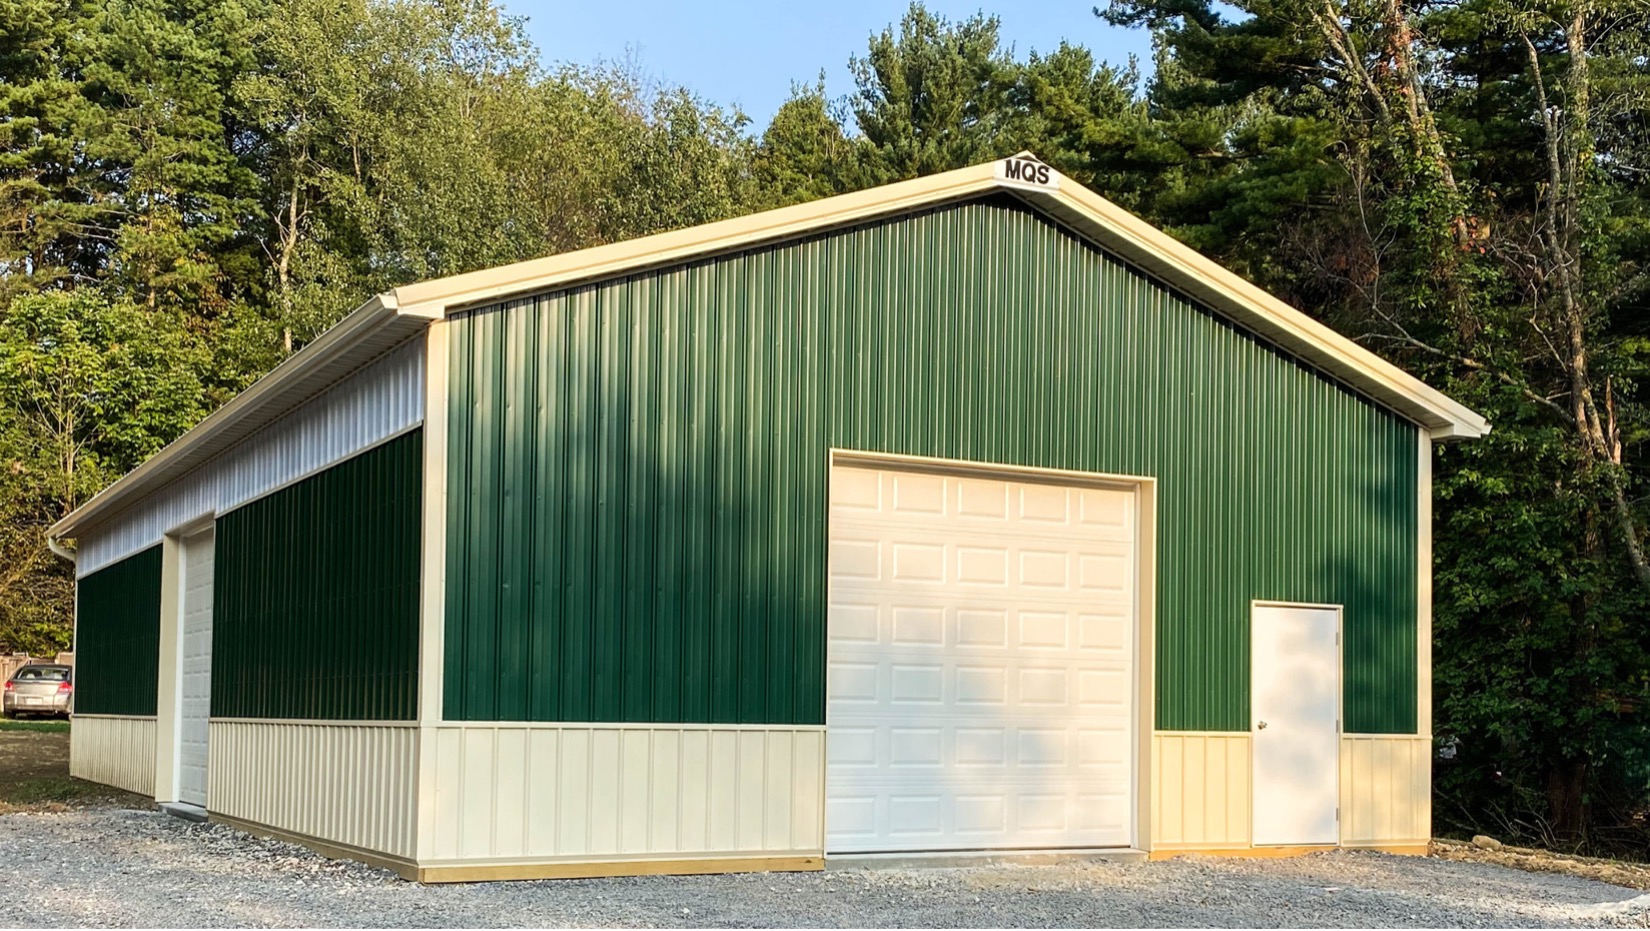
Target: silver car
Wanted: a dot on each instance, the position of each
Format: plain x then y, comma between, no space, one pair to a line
39,689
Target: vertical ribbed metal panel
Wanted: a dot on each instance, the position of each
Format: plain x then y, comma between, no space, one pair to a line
117,637
350,784
315,594
638,468
379,401
114,751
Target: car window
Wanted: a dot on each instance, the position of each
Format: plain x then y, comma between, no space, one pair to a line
41,673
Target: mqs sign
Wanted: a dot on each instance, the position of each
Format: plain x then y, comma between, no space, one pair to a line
1027,171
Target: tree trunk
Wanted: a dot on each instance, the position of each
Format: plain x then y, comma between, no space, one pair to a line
1567,799
1569,153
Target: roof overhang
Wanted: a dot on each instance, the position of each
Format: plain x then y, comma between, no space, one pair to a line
363,335
386,320
1107,225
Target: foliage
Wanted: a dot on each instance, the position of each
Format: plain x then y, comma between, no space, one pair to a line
190,190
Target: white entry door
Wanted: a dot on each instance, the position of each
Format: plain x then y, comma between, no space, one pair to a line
196,667
1297,700
981,651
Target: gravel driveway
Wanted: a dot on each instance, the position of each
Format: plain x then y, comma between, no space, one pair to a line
141,868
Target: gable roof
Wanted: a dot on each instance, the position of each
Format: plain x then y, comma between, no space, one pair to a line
393,316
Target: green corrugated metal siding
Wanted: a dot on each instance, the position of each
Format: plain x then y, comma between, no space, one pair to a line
117,637
315,594
638,468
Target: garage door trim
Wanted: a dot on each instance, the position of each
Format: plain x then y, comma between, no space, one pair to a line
1144,489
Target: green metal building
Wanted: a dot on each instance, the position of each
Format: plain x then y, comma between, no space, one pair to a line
966,513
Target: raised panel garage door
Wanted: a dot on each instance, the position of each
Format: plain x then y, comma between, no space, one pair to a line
981,648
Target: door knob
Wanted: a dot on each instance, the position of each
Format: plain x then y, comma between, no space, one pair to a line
1261,726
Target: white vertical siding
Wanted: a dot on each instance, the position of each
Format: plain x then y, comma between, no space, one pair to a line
347,783
551,792
372,405
114,751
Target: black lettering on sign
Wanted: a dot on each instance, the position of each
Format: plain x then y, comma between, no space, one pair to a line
1030,172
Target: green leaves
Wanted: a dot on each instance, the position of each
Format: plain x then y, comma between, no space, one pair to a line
89,388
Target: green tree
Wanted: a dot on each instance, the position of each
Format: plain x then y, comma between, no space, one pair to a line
97,385
932,96
1428,180
805,153
57,216
158,73
89,388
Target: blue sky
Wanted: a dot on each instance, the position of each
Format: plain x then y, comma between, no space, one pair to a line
744,52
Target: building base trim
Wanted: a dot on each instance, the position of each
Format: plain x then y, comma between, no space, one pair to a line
590,869
332,850
947,859
1416,849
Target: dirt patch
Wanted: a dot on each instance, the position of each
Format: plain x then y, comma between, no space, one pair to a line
30,753
1617,872
34,774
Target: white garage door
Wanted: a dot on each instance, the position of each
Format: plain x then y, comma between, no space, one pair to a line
197,667
981,646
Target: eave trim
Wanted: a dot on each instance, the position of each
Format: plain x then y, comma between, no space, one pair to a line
1108,225
158,469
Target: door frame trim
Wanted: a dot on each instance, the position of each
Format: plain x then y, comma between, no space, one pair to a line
169,703
1144,672
1340,708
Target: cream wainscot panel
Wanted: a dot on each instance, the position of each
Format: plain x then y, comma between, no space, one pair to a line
114,751
1386,789
508,793
350,784
1200,791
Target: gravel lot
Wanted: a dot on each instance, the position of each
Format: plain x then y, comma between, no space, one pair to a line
122,867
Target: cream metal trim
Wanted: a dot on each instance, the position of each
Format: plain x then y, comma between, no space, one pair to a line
375,314
1145,600
432,615
401,866
445,295
1145,665
169,681
1267,853
1134,239
1340,703
1107,224
863,459
589,869
77,716
432,611
1423,589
